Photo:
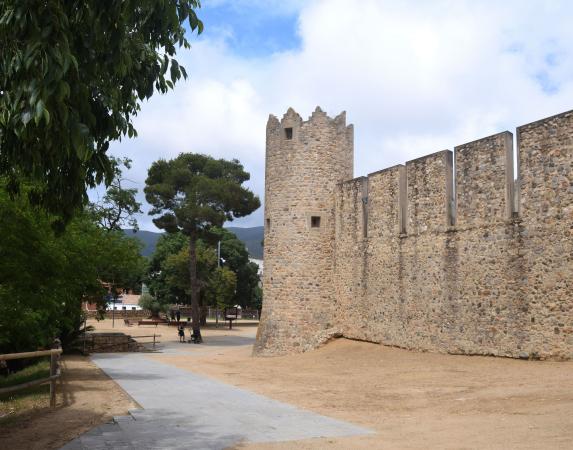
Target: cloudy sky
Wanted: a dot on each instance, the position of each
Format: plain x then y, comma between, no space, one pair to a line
414,76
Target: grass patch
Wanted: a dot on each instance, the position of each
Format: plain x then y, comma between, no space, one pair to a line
35,372
36,397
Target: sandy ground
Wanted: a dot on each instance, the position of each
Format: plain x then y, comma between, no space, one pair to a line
169,333
412,400
86,398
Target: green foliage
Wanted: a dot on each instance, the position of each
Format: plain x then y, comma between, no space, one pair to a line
149,303
167,245
192,194
221,288
72,76
236,257
118,207
118,258
37,371
44,277
168,269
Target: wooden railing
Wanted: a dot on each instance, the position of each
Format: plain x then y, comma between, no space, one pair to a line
55,372
154,336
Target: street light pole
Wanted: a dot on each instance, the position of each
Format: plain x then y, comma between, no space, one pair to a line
113,304
218,265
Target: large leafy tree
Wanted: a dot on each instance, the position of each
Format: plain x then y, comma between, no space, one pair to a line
169,264
236,257
118,207
175,273
222,287
157,274
72,76
44,276
192,194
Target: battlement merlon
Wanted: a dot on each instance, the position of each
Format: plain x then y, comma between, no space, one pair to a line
292,119
545,169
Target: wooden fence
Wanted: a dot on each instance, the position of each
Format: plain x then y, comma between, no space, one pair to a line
55,371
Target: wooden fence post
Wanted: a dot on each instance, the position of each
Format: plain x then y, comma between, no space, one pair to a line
54,366
53,370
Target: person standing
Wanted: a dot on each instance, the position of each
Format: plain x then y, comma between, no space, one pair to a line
181,333
178,314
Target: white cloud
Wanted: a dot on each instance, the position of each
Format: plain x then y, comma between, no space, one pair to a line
415,77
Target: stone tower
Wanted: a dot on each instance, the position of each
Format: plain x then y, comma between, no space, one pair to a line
305,160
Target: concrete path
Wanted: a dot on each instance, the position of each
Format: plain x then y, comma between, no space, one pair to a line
183,410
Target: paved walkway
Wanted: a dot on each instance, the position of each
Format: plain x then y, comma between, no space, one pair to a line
183,410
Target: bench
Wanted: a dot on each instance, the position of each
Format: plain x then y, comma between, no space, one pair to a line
183,323
230,315
127,322
150,322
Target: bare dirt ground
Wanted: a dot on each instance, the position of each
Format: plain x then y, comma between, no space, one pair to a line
412,400
86,398
169,333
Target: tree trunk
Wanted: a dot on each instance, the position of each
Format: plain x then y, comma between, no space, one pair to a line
196,317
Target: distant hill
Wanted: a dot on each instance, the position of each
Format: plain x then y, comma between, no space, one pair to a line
149,239
251,237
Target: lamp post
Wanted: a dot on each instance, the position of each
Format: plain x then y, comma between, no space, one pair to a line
218,265
113,311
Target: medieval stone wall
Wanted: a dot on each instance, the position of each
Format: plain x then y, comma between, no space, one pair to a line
471,262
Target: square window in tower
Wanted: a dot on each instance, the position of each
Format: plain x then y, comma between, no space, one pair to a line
315,221
288,133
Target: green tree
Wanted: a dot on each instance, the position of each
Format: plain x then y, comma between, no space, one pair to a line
119,262
236,257
176,270
157,273
118,207
221,287
167,272
168,269
192,194
72,77
151,304
44,277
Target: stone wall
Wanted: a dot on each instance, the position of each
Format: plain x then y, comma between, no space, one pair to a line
120,314
472,277
110,343
475,263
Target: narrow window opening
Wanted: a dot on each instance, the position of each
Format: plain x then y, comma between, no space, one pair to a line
403,199
288,133
365,216
268,224
315,221
365,207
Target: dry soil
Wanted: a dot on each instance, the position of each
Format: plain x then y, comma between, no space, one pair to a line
86,397
412,400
